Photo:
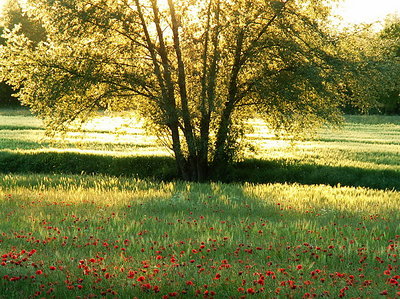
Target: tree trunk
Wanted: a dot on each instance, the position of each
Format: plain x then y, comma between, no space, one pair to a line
167,89
188,128
221,157
208,84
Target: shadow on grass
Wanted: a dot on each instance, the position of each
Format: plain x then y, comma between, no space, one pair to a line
280,171
163,168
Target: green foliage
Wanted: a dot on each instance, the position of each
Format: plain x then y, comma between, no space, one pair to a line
391,34
389,38
14,16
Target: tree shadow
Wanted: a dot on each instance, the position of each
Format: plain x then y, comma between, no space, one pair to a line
162,168
280,171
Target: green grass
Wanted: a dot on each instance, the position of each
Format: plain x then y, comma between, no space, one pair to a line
363,153
320,218
103,233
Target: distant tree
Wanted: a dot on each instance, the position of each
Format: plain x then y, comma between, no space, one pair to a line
377,73
13,15
197,70
390,36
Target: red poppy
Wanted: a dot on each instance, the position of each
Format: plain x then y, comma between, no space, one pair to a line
250,291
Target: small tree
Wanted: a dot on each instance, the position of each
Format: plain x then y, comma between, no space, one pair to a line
195,69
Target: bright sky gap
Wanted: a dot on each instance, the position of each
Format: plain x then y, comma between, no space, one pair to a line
357,11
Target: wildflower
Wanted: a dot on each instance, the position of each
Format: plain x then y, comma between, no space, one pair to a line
32,252
260,281
393,281
146,286
250,291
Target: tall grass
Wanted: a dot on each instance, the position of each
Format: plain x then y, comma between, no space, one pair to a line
100,236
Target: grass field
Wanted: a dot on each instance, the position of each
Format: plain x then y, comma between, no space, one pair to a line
117,235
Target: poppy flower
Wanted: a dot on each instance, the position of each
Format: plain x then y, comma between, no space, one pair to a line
250,291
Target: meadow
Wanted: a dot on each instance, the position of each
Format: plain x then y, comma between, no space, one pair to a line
99,214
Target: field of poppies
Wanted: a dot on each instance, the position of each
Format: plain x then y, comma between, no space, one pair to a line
102,236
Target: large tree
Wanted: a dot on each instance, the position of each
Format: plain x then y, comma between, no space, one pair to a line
195,69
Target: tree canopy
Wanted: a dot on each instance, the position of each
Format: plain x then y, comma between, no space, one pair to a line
196,70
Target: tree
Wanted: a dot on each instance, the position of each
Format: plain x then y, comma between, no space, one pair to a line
195,69
390,37
13,15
